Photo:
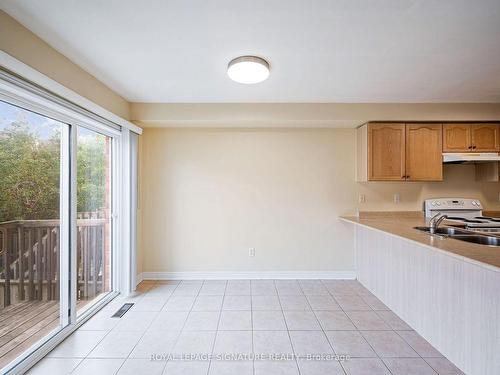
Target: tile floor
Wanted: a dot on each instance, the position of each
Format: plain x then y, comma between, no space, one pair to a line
295,319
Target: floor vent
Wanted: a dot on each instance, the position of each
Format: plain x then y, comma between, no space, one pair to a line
122,310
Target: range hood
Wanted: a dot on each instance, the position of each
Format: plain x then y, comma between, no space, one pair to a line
469,157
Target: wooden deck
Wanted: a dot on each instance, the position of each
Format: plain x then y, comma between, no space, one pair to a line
24,323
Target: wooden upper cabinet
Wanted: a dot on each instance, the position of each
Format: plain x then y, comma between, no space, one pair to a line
471,138
386,152
484,138
457,138
424,160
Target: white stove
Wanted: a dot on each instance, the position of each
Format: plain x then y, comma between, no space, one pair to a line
463,212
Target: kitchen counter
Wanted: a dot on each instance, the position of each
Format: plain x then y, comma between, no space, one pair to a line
447,290
402,225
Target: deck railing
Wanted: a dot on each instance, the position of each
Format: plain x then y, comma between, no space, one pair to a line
30,255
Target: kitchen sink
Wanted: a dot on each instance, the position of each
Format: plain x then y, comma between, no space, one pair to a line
479,239
463,235
444,231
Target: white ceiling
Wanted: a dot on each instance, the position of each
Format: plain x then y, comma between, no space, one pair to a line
319,50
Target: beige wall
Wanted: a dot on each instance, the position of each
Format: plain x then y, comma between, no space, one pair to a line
208,195
25,46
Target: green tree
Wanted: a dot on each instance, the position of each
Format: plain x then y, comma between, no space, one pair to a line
29,174
30,169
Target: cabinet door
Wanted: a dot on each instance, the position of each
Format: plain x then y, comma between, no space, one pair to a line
424,160
457,138
485,138
386,152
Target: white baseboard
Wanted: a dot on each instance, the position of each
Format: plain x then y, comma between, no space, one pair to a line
139,278
246,275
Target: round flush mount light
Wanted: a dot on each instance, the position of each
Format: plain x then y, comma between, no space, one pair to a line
248,69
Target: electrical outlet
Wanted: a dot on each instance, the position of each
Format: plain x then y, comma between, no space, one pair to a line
362,198
396,198
251,252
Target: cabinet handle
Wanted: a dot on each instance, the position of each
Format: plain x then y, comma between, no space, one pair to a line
473,147
470,147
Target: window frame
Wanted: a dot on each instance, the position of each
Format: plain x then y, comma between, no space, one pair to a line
15,91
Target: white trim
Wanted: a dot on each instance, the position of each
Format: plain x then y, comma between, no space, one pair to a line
227,275
125,210
133,139
47,106
30,74
73,232
138,278
65,231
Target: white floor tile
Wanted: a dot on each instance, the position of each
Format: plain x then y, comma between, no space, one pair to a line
294,302
334,320
179,303
408,366
310,343
321,302
394,321
301,320
267,303
117,344
236,342
55,366
263,288
98,366
419,344
350,343
186,368
365,366
272,343
238,288
367,321
208,303
276,368
142,366
136,321
169,320
315,367
236,320
388,344
237,303
155,342
194,342
268,320
78,345
213,288
231,368
202,321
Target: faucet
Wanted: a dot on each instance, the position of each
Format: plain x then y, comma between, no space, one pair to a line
435,221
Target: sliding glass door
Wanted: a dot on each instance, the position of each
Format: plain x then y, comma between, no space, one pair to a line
31,150
57,227
94,219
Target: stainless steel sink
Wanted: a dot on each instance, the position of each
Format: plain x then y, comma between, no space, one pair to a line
479,239
463,235
444,231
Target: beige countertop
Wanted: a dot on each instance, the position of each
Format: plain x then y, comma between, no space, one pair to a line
402,225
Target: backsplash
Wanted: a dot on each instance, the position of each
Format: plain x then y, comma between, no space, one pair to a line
459,181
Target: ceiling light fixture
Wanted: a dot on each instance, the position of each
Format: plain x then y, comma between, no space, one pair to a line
248,69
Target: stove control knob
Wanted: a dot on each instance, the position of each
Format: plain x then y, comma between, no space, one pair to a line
433,203
438,203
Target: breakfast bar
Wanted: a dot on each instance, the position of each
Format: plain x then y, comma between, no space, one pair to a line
446,289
